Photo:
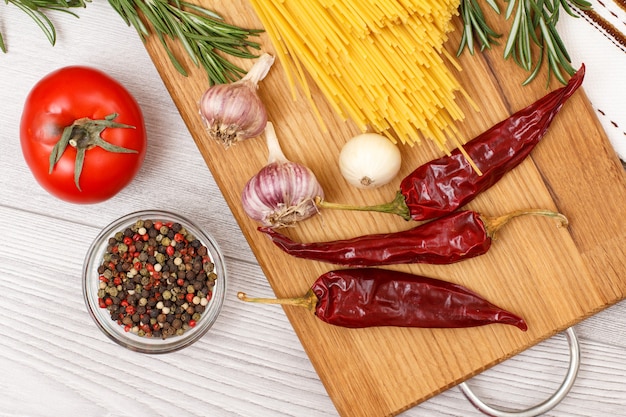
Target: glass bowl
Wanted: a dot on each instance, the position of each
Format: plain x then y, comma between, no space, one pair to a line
157,295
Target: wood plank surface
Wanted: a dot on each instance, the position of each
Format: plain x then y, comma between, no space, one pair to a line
553,277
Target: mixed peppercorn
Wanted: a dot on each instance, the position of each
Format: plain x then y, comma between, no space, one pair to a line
156,279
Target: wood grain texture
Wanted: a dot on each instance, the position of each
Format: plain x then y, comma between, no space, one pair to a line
54,360
554,277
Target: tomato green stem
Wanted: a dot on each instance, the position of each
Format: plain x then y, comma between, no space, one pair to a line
84,134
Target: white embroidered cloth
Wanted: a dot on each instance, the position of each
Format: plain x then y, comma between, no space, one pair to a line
597,38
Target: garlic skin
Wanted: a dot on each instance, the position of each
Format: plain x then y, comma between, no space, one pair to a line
234,112
282,193
369,160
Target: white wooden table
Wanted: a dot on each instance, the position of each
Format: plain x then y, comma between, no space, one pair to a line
54,361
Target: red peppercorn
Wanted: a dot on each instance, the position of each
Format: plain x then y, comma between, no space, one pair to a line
180,282
178,237
101,303
158,225
117,281
128,241
108,301
192,323
189,297
170,250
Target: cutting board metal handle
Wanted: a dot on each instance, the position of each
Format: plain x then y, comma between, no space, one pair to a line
545,406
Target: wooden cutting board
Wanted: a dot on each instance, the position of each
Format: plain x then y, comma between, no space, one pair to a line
554,277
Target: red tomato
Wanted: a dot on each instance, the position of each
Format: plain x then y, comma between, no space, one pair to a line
75,95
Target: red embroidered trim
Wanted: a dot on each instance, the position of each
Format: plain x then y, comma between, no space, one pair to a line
616,36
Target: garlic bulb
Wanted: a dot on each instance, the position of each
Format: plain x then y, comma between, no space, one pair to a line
283,192
369,160
234,112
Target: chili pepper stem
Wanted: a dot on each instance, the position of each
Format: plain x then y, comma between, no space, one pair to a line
308,301
396,206
493,224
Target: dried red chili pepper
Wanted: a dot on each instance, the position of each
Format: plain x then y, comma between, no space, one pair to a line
448,239
443,185
371,297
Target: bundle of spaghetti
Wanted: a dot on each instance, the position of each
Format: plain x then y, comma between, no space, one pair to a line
380,63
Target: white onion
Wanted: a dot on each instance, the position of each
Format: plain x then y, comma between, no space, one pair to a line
369,160
282,193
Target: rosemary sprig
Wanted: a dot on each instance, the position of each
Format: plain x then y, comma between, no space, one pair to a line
205,36
203,33
474,24
37,9
532,37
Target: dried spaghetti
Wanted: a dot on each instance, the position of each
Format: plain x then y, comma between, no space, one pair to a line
379,63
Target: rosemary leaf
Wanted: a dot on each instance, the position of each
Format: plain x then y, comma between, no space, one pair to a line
36,10
509,9
201,10
514,31
493,5
568,8
179,67
532,36
535,71
202,33
476,25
